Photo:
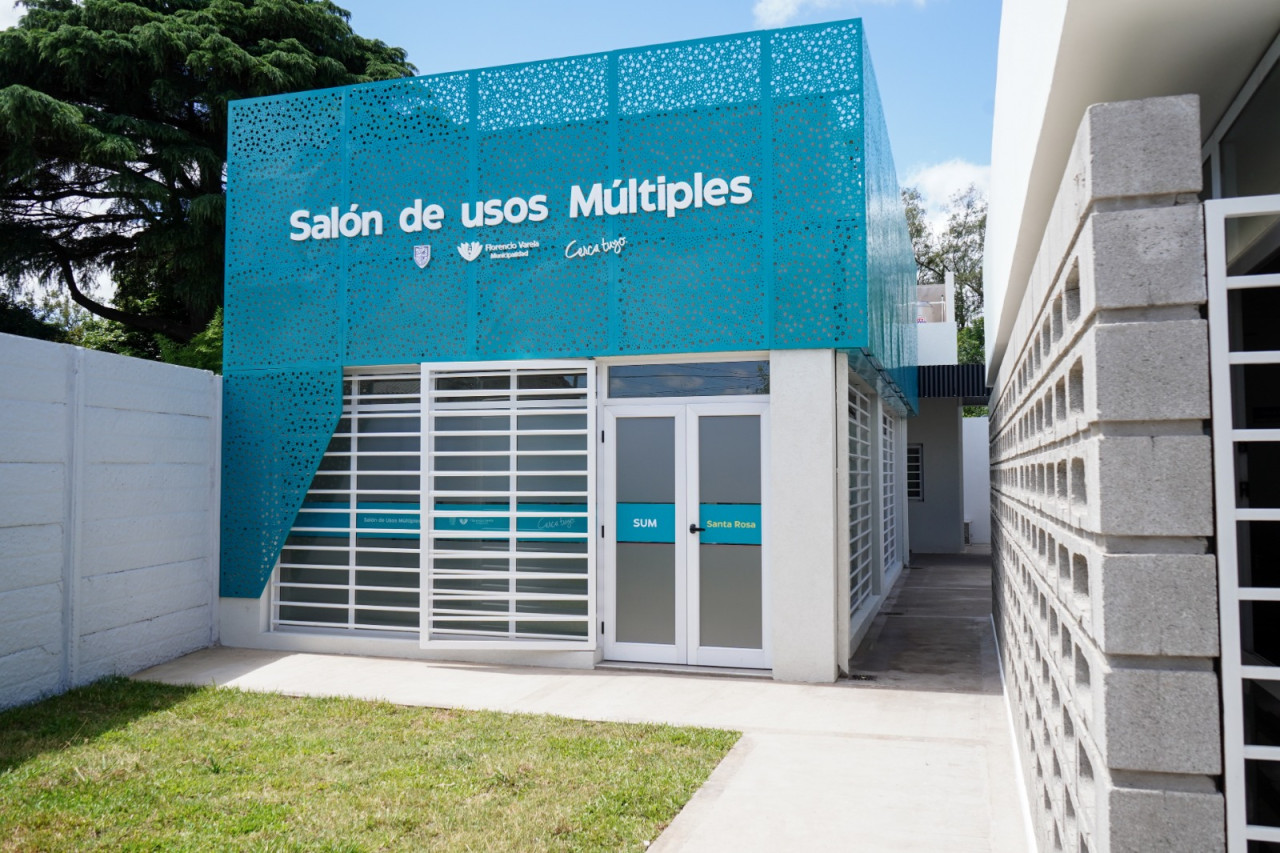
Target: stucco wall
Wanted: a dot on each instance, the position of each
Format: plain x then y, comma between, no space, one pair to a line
1106,598
937,521
803,544
936,343
108,534
977,478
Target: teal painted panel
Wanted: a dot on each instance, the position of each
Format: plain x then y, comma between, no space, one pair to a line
646,522
891,266
816,258
730,524
276,425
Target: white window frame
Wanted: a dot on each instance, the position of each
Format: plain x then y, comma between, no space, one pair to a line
889,489
916,493
429,370
603,365
1227,514
1211,151
352,410
861,410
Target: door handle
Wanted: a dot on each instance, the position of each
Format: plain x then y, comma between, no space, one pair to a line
694,528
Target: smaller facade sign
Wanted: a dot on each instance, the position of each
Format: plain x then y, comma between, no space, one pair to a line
730,524
646,522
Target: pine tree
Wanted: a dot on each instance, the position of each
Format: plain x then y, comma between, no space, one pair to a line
113,124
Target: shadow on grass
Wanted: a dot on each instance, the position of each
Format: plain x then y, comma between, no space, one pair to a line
80,715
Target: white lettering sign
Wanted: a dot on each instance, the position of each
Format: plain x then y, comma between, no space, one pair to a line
619,198
585,250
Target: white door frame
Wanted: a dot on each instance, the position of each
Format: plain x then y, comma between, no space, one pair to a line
723,656
608,550
685,412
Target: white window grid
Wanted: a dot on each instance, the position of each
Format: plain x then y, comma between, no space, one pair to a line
861,530
915,472
889,488
1231,595
512,585
333,573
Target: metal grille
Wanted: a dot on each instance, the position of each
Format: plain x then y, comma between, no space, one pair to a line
351,558
889,489
510,473
915,472
1244,364
861,540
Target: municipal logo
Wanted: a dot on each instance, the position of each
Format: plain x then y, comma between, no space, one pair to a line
422,256
470,251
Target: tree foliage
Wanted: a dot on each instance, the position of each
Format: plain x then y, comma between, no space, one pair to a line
18,317
113,124
956,247
971,342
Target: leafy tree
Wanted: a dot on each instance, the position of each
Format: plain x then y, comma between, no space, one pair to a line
113,124
18,317
957,247
203,351
972,342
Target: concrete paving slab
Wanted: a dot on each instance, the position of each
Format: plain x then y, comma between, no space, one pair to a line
953,601
919,759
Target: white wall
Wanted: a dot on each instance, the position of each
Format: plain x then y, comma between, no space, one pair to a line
803,546
1056,58
108,514
977,479
936,524
936,343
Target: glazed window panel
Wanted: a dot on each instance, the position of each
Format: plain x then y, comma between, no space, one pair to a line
362,509
915,472
861,529
509,477
697,379
889,489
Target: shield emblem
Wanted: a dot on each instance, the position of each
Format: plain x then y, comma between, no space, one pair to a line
422,255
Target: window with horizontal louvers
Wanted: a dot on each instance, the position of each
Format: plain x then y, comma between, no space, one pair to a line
508,544
351,560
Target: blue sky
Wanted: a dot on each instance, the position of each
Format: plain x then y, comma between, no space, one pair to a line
935,59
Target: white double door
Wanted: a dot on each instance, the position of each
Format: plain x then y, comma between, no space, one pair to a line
685,531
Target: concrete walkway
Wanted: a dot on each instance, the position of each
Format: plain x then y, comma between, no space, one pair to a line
917,759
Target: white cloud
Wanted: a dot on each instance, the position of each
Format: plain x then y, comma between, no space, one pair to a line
779,13
937,183
9,14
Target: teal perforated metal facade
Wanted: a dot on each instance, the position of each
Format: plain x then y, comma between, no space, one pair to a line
803,245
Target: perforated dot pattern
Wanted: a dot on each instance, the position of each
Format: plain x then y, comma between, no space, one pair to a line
276,425
819,258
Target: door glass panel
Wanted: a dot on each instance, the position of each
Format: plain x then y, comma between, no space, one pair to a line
646,593
729,459
729,596
730,612
646,557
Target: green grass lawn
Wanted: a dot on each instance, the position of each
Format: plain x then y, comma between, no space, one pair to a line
123,765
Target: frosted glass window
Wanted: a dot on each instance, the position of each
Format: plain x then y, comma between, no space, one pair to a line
698,379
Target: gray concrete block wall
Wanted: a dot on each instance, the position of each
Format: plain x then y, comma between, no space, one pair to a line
108,515
1105,589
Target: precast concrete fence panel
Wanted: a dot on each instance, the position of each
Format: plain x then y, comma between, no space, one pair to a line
109,490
